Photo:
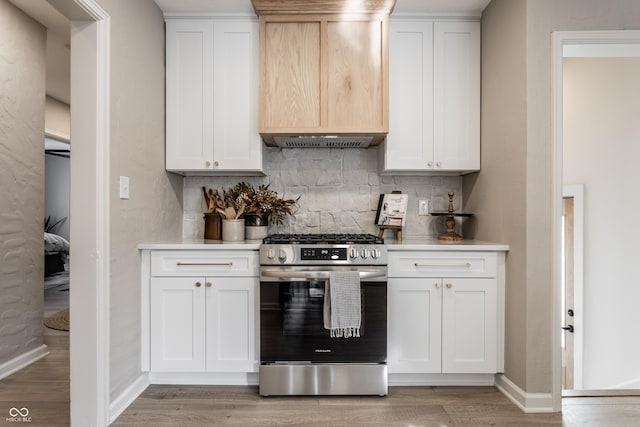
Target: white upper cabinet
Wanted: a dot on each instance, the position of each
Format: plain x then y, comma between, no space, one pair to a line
212,97
434,98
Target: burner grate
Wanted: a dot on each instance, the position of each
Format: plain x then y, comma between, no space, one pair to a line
326,238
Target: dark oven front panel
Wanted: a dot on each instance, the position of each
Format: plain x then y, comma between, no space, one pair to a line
292,327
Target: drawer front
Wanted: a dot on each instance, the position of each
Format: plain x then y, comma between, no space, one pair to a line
442,264
204,263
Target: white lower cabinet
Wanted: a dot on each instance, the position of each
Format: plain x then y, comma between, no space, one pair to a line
444,325
202,315
203,324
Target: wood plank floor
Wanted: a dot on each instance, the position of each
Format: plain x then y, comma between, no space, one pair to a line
43,388
404,406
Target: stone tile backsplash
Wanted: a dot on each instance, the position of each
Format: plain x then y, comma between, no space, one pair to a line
339,191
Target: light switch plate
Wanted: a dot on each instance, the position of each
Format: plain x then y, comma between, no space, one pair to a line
124,187
423,207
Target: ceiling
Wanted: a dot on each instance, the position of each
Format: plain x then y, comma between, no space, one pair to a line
58,33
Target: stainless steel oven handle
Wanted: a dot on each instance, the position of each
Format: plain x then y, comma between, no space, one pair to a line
315,275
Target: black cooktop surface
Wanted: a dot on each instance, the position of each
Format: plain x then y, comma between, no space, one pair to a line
327,238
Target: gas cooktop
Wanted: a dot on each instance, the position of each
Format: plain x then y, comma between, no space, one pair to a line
324,239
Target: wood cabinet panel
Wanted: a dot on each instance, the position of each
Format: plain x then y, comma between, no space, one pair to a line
323,74
355,73
291,80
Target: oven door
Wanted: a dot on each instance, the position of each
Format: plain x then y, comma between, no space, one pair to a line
291,317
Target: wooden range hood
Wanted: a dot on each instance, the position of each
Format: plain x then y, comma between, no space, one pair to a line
324,73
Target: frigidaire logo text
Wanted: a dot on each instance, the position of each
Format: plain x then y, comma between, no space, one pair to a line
322,350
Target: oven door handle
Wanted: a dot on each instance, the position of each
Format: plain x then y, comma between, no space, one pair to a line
314,275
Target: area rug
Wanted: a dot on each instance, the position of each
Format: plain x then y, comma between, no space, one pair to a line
58,321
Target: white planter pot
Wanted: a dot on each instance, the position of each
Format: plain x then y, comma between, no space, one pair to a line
233,230
253,232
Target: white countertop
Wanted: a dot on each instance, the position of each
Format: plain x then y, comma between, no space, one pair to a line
407,244
433,244
202,244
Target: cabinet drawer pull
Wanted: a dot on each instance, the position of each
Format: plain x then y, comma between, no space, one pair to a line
183,264
426,264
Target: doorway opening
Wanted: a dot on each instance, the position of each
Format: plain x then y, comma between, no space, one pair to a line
601,276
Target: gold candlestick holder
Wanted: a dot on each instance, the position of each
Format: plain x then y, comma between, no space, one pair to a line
450,222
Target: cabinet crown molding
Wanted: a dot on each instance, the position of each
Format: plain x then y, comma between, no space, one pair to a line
278,7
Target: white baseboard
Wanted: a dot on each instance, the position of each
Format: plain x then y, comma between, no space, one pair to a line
527,402
441,380
22,361
126,398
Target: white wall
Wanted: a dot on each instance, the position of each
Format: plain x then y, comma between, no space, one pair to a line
339,191
153,212
22,79
601,151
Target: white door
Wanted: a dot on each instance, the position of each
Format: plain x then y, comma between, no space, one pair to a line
177,324
414,325
456,71
236,142
410,141
469,325
231,324
189,86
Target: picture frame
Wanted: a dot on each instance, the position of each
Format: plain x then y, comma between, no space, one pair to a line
392,209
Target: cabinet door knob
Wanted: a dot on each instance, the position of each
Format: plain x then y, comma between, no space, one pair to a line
449,285
216,163
437,285
208,284
430,164
207,163
198,284
439,164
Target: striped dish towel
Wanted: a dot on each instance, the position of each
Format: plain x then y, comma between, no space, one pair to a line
342,315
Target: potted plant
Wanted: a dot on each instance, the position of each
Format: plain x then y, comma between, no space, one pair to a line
230,208
262,207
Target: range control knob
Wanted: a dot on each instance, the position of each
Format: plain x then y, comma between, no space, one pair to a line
376,253
365,253
271,254
282,255
353,253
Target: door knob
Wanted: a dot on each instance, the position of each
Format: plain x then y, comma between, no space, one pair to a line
568,328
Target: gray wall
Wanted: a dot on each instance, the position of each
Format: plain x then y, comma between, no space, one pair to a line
22,79
339,191
154,212
498,193
526,219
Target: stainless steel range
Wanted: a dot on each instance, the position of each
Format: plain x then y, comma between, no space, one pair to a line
298,356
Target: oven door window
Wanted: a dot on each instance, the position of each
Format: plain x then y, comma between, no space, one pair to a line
292,325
